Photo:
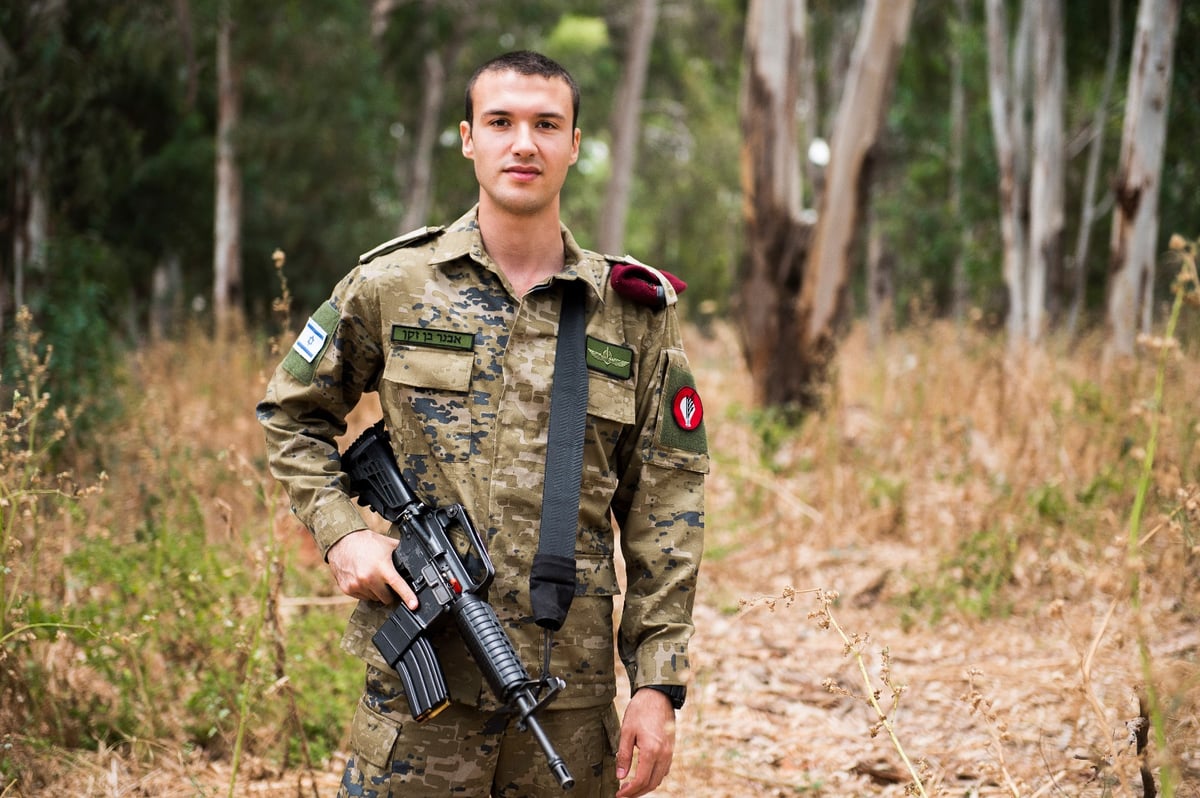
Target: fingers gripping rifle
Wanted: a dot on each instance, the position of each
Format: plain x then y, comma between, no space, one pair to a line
443,559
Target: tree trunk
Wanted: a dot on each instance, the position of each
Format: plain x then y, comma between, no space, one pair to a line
860,117
166,288
775,238
419,194
880,266
1087,215
1135,219
958,139
227,250
30,220
1006,98
626,119
1046,188
31,208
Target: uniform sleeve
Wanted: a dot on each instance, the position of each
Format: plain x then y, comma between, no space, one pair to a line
334,360
659,508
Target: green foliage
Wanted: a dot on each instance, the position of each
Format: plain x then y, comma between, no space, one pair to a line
971,579
579,35
122,96
152,627
1050,503
32,495
326,681
774,426
167,640
80,320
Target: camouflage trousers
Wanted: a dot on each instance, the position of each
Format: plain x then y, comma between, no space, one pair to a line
466,751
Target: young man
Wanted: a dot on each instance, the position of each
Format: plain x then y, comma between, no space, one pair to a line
467,412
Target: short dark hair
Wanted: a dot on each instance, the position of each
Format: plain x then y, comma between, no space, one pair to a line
526,62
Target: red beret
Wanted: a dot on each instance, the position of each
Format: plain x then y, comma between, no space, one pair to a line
641,284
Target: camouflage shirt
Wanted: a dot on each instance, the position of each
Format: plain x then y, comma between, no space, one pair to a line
464,372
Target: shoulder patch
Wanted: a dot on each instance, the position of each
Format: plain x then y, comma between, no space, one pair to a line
409,239
306,353
644,284
681,416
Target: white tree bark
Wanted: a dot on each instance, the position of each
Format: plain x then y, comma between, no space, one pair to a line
861,112
227,243
1006,100
1046,191
1139,175
32,210
626,124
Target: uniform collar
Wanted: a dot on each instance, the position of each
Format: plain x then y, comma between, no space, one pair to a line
462,240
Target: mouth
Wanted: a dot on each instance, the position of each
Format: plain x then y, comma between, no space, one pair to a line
522,172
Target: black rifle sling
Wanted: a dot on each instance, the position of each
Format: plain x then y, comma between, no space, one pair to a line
552,578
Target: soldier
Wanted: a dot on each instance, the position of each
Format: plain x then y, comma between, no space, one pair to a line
456,329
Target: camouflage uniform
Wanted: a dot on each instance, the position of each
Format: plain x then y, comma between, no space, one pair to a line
464,370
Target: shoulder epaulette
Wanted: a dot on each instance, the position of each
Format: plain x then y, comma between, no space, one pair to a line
409,239
645,285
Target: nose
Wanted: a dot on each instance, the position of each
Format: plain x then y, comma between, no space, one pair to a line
523,141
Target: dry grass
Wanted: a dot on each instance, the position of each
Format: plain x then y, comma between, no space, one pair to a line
971,510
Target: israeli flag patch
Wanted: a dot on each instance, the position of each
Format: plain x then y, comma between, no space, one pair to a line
311,341
302,359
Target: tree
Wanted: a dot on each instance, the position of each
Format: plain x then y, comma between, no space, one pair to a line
435,32
860,116
794,275
227,221
31,189
1138,181
626,118
1046,190
776,239
1007,83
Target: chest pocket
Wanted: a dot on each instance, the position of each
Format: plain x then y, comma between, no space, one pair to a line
611,410
430,390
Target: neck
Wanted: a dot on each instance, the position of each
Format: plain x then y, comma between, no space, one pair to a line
528,249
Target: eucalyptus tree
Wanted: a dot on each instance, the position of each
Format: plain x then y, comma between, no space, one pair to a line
795,273
1134,245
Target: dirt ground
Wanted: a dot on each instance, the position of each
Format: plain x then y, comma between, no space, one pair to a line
985,710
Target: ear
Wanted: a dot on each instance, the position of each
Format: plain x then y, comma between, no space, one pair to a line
468,143
575,147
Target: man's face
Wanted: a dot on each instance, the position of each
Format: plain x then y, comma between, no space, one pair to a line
521,140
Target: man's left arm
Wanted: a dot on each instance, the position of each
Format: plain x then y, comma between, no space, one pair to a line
660,511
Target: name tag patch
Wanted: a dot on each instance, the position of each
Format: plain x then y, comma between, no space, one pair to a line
428,336
611,359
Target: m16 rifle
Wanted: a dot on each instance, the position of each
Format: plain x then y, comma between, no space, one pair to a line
443,559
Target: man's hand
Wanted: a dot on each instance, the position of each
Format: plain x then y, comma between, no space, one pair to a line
362,567
648,727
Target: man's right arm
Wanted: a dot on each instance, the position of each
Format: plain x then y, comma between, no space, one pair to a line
336,358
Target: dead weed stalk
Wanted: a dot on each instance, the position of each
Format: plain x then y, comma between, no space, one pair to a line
855,646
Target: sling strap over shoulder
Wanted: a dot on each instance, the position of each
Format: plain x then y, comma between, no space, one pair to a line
552,578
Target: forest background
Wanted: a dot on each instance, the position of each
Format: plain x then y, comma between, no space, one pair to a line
162,621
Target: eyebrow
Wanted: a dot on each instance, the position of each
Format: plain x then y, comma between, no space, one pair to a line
539,115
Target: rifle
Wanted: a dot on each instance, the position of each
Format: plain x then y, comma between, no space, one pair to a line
443,559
